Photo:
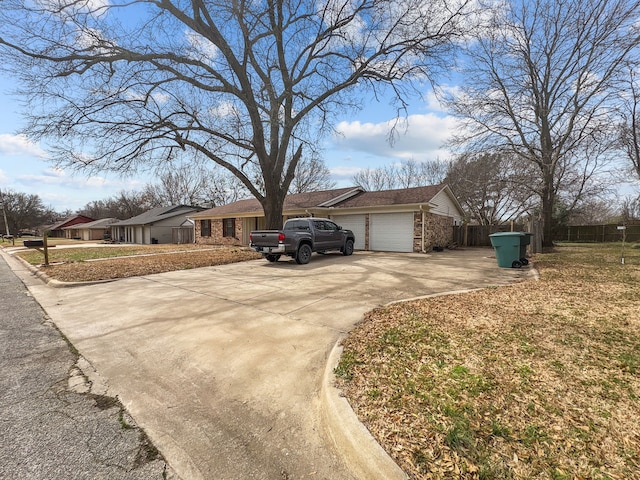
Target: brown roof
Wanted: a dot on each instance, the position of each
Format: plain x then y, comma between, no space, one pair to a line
296,201
69,221
403,196
350,197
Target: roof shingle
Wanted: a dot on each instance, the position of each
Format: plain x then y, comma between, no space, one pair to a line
157,214
404,196
296,201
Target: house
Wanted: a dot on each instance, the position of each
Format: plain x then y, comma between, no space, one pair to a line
57,230
403,220
96,230
157,225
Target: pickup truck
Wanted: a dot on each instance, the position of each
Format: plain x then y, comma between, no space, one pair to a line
300,237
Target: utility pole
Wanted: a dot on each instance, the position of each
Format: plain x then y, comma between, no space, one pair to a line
4,214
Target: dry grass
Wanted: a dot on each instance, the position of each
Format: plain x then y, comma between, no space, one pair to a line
540,380
107,263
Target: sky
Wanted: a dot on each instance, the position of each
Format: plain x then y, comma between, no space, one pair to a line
362,143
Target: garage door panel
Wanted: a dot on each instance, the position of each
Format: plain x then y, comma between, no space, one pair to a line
391,232
355,223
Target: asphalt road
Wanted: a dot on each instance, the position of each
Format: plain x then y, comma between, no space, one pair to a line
52,423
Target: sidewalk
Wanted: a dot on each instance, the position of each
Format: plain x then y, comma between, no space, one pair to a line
54,423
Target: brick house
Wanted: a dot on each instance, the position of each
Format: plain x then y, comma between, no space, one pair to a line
58,230
402,220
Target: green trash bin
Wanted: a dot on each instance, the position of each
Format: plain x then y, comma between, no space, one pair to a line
507,246
524,241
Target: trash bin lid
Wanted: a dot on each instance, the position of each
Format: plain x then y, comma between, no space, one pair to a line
508,234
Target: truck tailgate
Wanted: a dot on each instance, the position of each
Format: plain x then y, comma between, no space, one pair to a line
265,238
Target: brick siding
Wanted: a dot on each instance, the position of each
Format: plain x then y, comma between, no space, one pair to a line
216,237
438,230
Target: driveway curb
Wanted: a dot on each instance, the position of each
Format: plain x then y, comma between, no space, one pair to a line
358,447
351,439
51,282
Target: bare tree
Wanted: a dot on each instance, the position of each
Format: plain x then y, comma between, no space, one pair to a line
630,210
540,80
100,209
630,124
126,83
125,204
312,174
23,211
406,174
223,189
374,179
193,184
593,211
490,187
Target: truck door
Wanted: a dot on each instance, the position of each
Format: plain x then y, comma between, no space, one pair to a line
334,236
320,235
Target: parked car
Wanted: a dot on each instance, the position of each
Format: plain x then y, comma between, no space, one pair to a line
300,237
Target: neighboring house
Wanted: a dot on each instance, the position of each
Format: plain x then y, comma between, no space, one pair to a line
154,226
404,220
57,230
96,230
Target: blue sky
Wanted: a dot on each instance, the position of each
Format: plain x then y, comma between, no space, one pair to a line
362,143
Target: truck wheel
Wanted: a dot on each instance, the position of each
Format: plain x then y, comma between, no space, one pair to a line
272,257
348,248
304,254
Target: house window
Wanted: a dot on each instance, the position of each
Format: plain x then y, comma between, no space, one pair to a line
229,227
205,228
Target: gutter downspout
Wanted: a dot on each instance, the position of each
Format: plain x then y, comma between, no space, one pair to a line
422,238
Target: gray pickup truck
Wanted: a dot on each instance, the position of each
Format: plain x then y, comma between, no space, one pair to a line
300,237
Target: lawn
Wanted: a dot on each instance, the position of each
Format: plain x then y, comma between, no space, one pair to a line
539,380
120,261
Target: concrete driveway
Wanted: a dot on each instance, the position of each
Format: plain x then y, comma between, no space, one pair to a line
222,366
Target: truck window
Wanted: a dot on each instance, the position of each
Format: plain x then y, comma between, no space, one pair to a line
331,226
318,225
297,225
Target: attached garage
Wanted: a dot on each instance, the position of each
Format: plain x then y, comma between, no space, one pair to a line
355,223
391,232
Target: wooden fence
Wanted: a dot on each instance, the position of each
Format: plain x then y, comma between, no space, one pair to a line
478,235
182,235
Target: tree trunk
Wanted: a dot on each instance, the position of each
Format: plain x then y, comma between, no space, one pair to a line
273,205
276,189
548,200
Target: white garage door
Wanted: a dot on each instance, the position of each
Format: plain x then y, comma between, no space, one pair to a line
391,232
355,223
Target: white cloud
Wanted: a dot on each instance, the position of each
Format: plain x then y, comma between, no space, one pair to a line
83,5
418,137
58,177
224,109
15,145
342,171
200,47
63,191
